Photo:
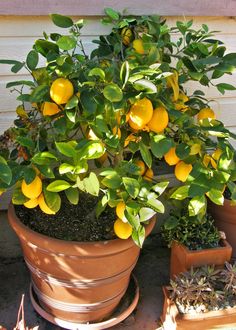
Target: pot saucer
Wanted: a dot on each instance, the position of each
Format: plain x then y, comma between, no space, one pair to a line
123,310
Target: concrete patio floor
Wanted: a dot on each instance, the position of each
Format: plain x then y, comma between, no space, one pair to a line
152,271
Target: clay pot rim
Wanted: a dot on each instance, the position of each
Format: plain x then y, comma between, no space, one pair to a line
44,242
224,241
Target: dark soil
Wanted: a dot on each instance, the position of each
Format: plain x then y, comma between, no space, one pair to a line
71,222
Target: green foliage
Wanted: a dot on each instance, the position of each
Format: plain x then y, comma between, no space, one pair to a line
193,232
89,143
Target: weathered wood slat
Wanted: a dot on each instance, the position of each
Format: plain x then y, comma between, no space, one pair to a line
28,26
138,7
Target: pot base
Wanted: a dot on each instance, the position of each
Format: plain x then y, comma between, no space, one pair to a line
124,309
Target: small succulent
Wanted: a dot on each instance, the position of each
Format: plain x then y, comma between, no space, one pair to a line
204,288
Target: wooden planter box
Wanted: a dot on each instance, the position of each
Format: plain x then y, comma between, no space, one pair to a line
172,319
182,259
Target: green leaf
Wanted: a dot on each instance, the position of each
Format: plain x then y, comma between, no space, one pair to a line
44,47
11,62
180,193
5,173
112,13
124,72
160,145
203,48
229,58
113,93
145,153
53,200
32,59
146,213
66,42
46,171
216,196
72,195
156,205
97,72
17,67
39,93
132,186
18,198
19,83
182,150
160,187
138,236
197,205
223,86
26,142
171,222
43,158
66,168
91,184
145,85
61,20
112,181
91,150
58,185
29,174
72,103
66,148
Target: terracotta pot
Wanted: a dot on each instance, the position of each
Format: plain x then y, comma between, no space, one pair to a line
225,220
182,259
77,281
172,319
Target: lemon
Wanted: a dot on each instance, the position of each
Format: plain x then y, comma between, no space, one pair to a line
120,211
32,190
159,120
141,165
140,113
171,158
138,46
182,170
148,174
43,206
50,108
126,35
122,229
31,203
61,90
206,113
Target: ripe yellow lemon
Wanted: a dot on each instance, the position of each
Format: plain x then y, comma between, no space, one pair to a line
126,35
148,174
140,113
141,165
171,158
61,90
138,46
32,190
159,120
31,203
43,206
120,211
50,108
122,229
182,170
206,113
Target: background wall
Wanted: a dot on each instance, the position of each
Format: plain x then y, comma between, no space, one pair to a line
18,33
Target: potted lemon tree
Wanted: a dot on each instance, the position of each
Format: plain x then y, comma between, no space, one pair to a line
89,132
